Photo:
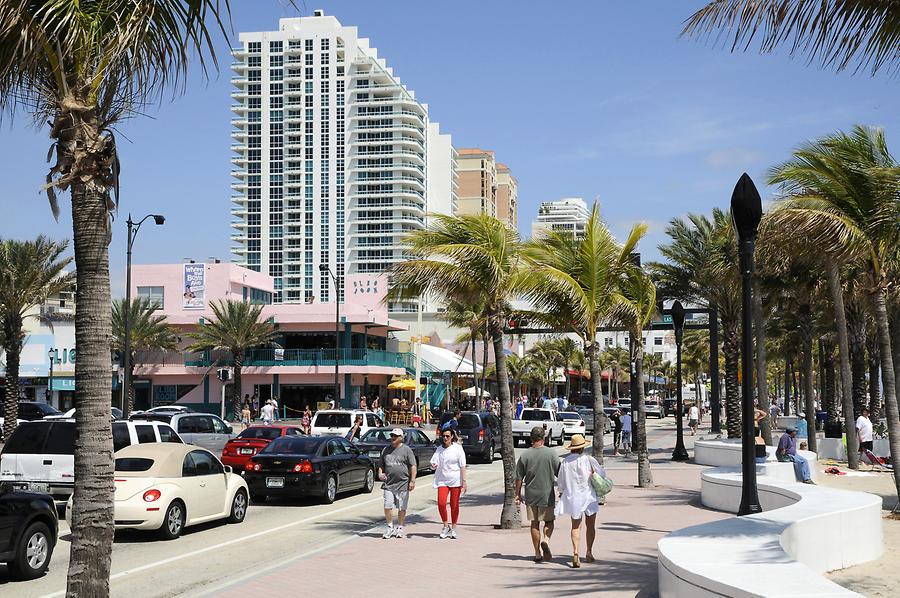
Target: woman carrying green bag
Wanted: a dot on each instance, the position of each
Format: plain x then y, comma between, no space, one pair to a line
577,497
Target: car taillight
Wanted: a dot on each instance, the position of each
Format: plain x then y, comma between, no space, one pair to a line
226,450
303,467
480,434
252,466
151,495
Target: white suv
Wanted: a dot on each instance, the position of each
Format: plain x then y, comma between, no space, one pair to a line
337,422
40,455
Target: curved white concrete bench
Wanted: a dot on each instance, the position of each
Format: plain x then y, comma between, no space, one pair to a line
803,531
727,452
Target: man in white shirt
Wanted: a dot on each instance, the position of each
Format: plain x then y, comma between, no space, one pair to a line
864,432
693,418
268,413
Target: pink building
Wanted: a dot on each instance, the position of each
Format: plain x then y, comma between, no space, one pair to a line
299,368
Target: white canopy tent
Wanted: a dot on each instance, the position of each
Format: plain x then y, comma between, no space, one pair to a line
472,391
445,360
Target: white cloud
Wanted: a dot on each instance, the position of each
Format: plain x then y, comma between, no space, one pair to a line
732,157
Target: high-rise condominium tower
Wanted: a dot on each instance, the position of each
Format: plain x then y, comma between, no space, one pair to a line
567,215
335,159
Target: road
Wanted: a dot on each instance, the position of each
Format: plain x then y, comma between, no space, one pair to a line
275,532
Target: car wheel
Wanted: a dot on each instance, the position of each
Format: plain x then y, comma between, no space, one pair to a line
258,497
33,553
369,484
173,522
238,507
330,490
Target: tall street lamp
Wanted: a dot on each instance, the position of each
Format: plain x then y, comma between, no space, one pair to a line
680,453
133,229
52,355
337,334
746,212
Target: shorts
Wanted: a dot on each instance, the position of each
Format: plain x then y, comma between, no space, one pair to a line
626,437
535,513
865,445
396,500
692,423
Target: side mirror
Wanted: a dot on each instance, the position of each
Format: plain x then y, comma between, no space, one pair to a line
228,469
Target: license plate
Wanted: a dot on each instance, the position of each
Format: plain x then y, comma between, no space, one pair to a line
246,451
38,487
274,482
374,453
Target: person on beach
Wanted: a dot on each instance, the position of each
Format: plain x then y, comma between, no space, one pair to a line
449,466
536,473
577,498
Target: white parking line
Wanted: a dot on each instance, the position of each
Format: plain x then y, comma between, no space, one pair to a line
279,528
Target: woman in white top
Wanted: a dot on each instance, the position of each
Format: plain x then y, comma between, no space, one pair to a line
449,465
576,495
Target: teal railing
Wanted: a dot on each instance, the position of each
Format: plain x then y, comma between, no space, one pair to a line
301,357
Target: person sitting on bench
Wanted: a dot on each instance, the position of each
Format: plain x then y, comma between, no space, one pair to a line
787,451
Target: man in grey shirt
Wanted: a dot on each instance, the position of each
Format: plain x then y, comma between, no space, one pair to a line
398,472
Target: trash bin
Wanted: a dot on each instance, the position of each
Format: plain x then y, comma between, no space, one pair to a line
834,429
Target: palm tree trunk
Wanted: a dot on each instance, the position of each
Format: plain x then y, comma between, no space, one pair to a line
731,351
762,386
830,395
484,362
840,323
645,477
13,340
788,378
890,389
592,352
130,389
92,501
872,350
510,516
857,339
238,360
474,333
807,349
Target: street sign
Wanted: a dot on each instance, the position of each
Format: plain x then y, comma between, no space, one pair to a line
666,319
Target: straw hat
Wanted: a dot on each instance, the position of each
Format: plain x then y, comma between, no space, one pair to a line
576,443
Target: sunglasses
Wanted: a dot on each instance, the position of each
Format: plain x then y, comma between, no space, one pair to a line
448,436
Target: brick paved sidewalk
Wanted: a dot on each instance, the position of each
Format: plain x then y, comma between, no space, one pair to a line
497,562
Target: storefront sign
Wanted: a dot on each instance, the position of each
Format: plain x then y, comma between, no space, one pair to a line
194,286
66,383
164,394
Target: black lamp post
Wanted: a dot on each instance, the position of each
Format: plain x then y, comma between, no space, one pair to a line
337,334
52,355
133,229
680,453
746,212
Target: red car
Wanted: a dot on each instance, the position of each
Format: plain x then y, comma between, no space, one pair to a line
239,449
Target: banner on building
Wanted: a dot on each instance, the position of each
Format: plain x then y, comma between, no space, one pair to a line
194,286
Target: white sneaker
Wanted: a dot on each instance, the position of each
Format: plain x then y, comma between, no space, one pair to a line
388,532
453,534
399,533
445,532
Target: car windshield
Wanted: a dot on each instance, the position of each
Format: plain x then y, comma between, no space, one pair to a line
293,445
133,464
571,416
264,433
47,409
538,414
467,421
377,436
332,420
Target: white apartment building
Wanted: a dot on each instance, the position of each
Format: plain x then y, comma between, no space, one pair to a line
568,214
335,159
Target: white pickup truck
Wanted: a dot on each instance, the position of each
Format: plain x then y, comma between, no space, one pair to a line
554,429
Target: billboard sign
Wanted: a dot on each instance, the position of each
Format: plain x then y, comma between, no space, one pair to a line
194,286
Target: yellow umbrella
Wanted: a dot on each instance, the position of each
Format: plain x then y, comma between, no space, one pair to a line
408,384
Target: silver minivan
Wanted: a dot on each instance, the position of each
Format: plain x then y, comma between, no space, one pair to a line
203,429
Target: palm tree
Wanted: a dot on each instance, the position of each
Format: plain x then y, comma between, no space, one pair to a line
701,268
837,33
83,67
568,351
695,355
465,257
577,289
635,314
616,359
844,192
149,331
468,315
30,272
236,327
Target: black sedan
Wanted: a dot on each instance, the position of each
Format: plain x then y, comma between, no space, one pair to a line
375,440
295,466
28,529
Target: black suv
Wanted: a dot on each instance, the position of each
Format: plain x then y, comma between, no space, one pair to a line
31,410
28,529
479,433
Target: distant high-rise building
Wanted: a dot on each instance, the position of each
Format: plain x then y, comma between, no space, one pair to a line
335,159
507,196
569,215
477,170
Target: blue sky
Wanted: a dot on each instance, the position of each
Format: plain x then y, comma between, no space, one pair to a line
582,98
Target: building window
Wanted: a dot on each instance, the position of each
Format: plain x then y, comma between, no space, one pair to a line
275,47
153,294
658,341
254,47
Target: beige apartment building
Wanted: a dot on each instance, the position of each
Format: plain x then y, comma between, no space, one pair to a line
486,186
507,196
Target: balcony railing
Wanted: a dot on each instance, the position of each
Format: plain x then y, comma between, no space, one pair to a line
300,357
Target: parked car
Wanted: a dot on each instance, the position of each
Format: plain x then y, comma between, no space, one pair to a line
202,429
587,415
166,409
572,423
337,422
28,530
40,455
167,487
31,411
239,449
70,414
375,440
655,408
479,434
530,418
296,466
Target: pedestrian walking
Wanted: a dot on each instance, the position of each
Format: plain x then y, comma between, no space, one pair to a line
274,408
616,419
255,403
449,466
245,416
267,413
693,418
306,420
536,473
520,406
865,432
577,498
626,433
398,474
355,431
453,422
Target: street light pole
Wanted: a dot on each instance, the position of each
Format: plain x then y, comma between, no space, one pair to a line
746,212
680,453
126,357
337,334
52,355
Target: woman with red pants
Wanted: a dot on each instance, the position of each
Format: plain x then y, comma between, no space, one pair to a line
449,465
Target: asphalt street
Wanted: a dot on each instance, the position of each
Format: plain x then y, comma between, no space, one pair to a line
273,533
